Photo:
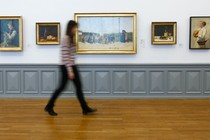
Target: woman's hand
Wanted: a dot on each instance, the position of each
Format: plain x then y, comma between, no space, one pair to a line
71,75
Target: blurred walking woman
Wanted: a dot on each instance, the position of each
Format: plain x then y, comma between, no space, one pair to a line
69,71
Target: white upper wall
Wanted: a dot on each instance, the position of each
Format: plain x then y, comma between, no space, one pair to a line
148,11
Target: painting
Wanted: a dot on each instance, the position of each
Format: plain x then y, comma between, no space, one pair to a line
11,33
164,33
199,32
48,33
106,33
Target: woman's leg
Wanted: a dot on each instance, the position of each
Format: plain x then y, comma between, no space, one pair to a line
62,85
77,82
78,85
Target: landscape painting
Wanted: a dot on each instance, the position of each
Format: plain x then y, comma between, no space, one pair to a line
106,33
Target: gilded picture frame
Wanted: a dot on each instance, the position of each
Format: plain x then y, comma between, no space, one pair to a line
11,33
106,33
47,33
199,32
164,33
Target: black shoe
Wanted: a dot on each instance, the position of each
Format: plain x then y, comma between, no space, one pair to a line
50,111
89,111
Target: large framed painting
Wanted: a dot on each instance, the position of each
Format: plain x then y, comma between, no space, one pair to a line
11,33
106,33
48,33
199,32
164,33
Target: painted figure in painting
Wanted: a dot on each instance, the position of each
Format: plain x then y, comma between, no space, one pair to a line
9,36
123,38
200,35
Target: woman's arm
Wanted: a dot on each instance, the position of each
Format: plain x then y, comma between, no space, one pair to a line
67,54
66,57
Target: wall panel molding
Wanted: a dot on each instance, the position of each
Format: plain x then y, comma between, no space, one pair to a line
120,82
193,82
110,80
12,84
206,81
48,81
138,82
175,82
30,82
157,82
102,82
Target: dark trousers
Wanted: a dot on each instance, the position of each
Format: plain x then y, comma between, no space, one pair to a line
63,83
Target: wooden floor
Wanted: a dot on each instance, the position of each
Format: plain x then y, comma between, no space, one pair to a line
24,119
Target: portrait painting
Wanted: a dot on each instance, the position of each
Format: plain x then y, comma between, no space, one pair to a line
11,33
48,33
107,33
199,33
164,33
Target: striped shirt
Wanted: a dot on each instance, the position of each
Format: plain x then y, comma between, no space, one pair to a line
68,52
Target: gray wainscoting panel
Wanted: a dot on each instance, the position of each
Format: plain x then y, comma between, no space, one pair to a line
109,81
175,82
12,81
48,81
87,80
138,82
102,82
30,82
193,82
157,82
207,82
120,82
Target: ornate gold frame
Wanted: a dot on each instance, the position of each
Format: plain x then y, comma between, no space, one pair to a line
164,42
133,51
47,24
19,18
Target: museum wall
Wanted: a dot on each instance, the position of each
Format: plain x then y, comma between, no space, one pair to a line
148,11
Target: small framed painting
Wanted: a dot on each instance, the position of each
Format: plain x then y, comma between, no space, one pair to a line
11,33
48,33
106,33
199,32
164,33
